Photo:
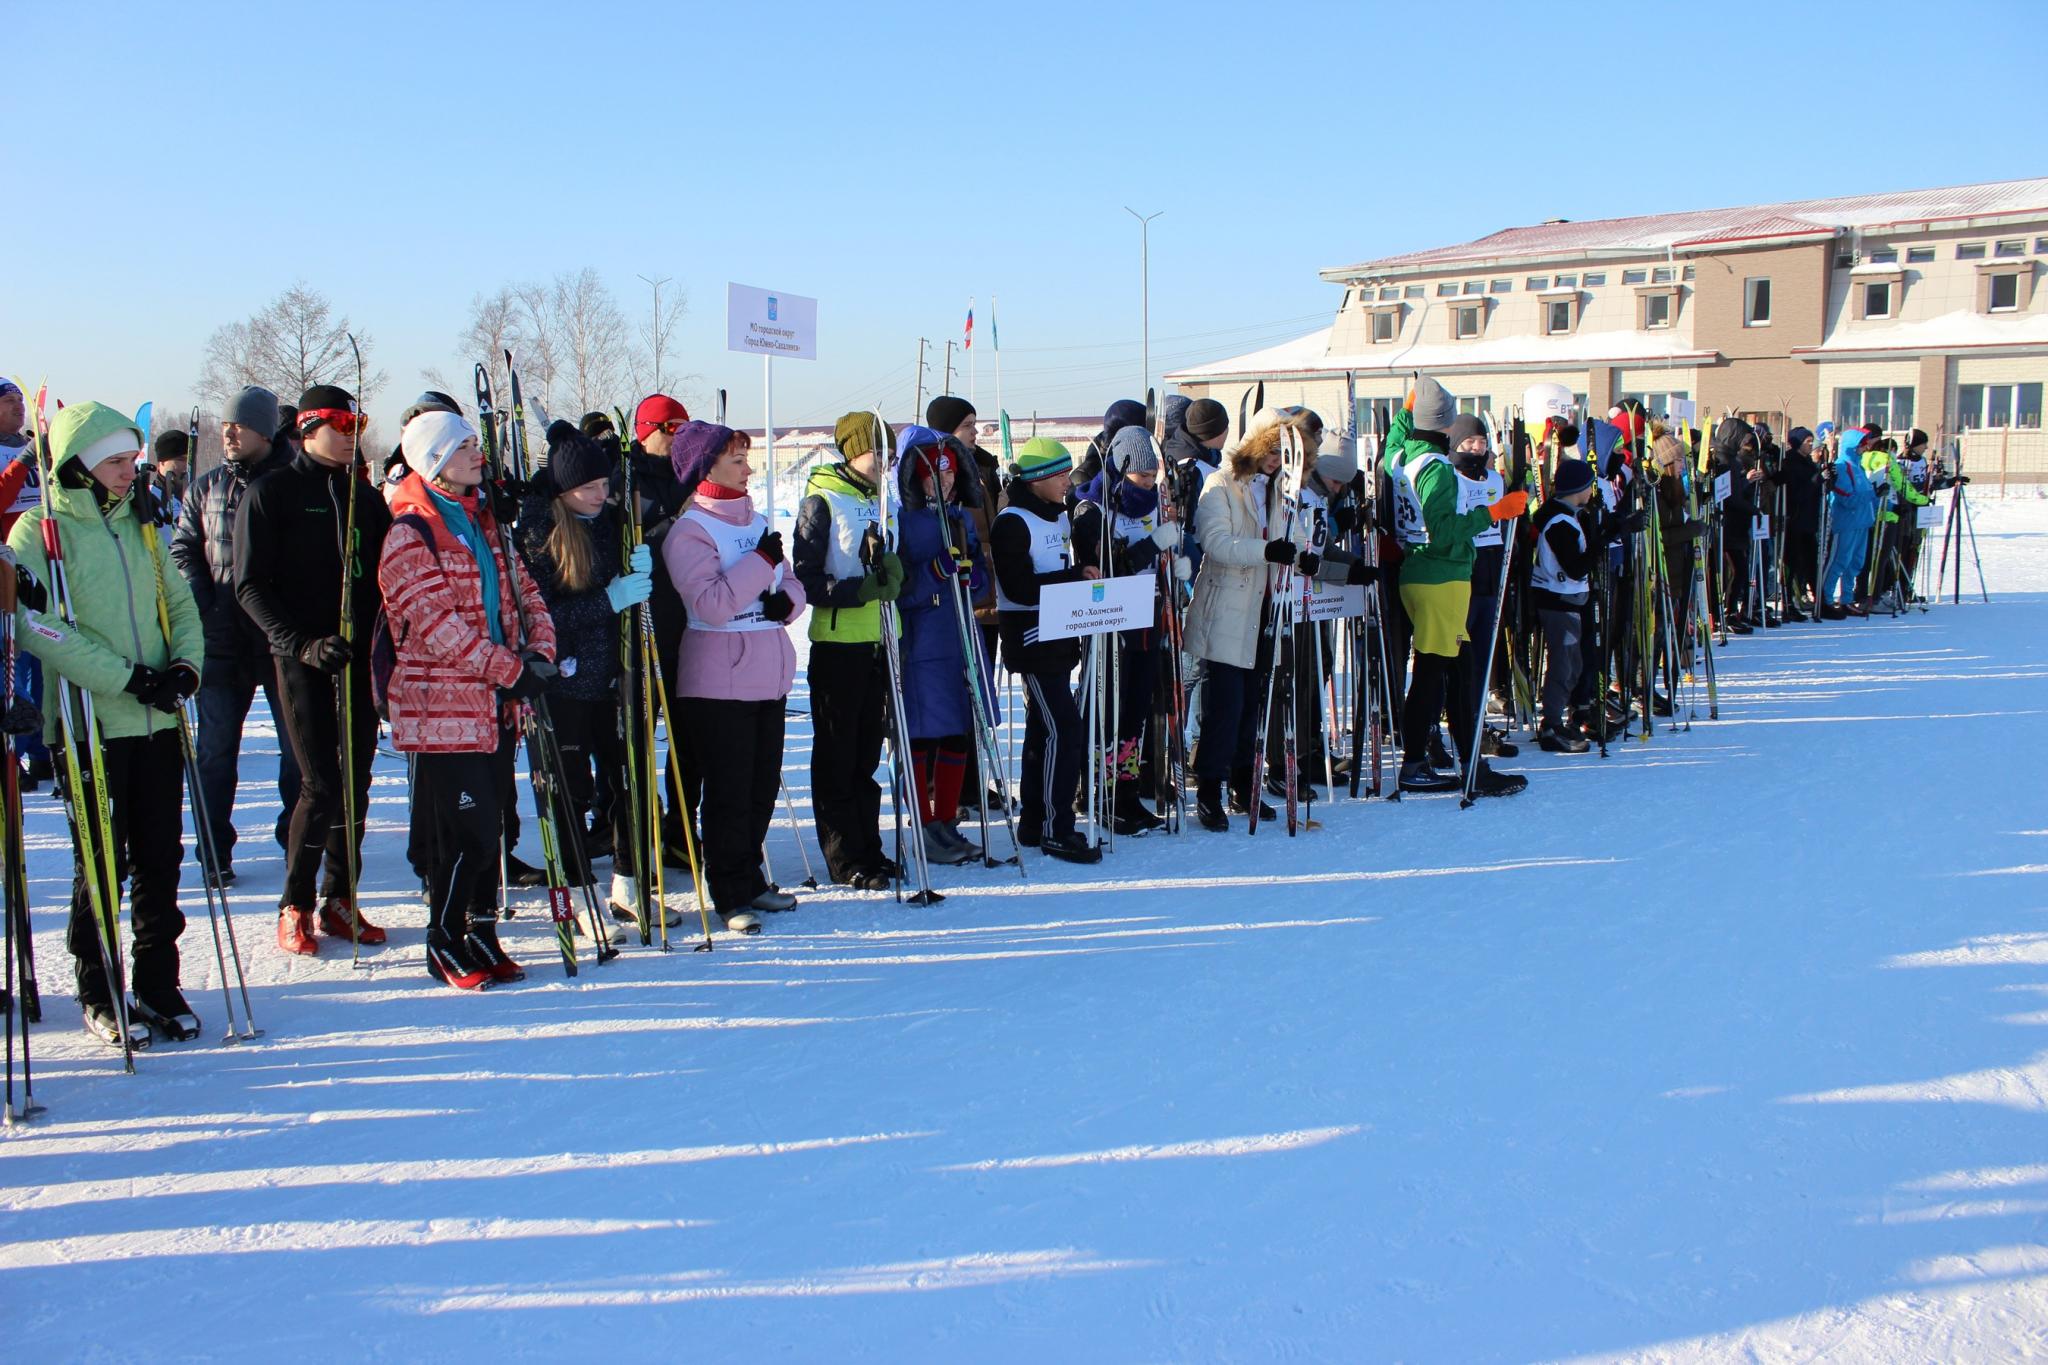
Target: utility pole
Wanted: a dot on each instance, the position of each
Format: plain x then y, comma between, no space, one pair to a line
1145,290
919,414
949,373
654,327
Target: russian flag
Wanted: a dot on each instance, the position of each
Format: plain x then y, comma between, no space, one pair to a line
970,329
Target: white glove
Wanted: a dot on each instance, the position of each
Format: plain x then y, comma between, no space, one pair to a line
1182,570
1167,537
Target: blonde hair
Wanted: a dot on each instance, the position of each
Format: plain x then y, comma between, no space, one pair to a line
568,544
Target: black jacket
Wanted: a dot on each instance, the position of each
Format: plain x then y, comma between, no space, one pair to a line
1802,494
1010,555
586,627
204,551
288,553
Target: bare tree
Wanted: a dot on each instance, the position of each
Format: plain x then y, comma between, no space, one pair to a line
294,342
648,368
592,341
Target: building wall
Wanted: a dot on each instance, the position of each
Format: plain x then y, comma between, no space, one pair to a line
1996,457
1759,372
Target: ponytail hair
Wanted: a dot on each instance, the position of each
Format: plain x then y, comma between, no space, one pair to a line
568,545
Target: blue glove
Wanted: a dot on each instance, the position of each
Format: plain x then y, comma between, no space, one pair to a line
642,560
629,589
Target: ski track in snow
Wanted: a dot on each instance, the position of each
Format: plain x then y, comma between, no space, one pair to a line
1726,1047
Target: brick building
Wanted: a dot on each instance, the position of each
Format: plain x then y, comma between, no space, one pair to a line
1915,309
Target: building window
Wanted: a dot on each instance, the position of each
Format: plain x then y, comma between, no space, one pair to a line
2005,293
1413,291
1657,311
1386,324
1595,278
1877,300
1467,320
2014,248
1888,256
1657,404
1503,286
1634,276
1844,258
1390,292
1919,255
1685,274
1756,302
1579,402
1567,282
1663,274
1475,407
1998,406
1536,283
2041,246
1559,315
1890,408
1475,286
1970,251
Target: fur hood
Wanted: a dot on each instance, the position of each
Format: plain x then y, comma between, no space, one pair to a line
1262,438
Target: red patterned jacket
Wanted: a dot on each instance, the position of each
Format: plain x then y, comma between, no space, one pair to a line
444,687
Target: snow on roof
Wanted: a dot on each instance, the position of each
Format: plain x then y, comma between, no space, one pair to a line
1700,227
1311,355
1963,329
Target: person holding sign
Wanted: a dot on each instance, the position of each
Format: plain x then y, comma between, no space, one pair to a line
735,665
1031,548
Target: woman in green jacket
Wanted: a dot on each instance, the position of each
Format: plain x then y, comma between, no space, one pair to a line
136,672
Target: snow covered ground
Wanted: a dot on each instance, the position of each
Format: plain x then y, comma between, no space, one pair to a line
1721,1048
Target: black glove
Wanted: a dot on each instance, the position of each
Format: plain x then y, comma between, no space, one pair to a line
174,684
28,592
1309,562
535,674
1344,518
329,654
1279,552
22,718
776,605
1359,573
1962,478
770,547
142,681
504,495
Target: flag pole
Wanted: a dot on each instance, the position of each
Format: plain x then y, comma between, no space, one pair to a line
970,350
995,341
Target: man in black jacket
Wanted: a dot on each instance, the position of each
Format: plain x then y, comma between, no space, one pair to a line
291,567
237,654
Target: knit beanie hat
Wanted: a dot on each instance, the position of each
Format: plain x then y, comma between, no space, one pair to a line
946,412
330,397
698,446
1668,451
1432,406
1572,476
854,434
657,409
1207,419
1337,461
433,400
8,386
1462,429
431,438
596,424
172,445
255,408
1041,457
1131,452
574,459
1916,440
1799,436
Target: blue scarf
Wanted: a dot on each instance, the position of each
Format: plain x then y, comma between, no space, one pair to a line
455,514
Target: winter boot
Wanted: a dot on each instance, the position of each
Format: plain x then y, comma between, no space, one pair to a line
1439,757
939,848
1130,818
164,1009
221,880
1496,744
1421,776
1209,807
450,960
524,873
1553,741
773,901
334,918
482,942
295,932
742,921
102,1023
1490,783
1069,847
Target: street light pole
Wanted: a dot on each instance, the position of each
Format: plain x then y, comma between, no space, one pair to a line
1145,289
654,328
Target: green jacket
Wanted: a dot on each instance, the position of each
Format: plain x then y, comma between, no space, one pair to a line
1882,463
1449,556
116,579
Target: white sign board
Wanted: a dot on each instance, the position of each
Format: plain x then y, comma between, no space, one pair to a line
1724,484
1097,606
1331,601
1760,529
767,323
1685,410
1929,517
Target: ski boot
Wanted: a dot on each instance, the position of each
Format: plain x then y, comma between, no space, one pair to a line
334,922
449,960
482,942
1487,782
1554,741
102,1023
1069,847
164,1009
1422,776
295,932
1209,812
944,847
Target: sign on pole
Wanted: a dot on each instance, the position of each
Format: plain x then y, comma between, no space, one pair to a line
1096,606
768,323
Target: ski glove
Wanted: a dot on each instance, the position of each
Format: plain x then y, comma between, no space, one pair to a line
770,547
535,674
142,682
629,589
1182,569
28,592
884,581
504,495
1509,507
1307,565
1359,573
329,654
1627,526
777,605
1167,537
1279,552
174,684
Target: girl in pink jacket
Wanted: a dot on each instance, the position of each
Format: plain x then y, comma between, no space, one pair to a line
736,664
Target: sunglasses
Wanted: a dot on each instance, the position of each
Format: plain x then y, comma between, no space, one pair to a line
672,426
344,420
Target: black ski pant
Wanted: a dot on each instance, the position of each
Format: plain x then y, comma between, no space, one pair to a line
1137,673
587,733
741,746
146,794
849,691
1231,698
1482,619
1430,688
1563,659
1802,562
317,839
1055,744
458,798
227,687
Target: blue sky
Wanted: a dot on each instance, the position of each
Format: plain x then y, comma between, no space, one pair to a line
177,166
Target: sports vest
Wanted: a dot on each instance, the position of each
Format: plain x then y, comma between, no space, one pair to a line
1482,493
1050,551
732,543
1546,573
1410,528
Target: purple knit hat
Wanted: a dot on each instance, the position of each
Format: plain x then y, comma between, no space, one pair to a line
697,447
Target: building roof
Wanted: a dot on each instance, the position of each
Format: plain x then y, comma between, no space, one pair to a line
1311,355
1695,229
1962,330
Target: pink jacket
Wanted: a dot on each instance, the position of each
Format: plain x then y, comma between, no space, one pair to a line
753,665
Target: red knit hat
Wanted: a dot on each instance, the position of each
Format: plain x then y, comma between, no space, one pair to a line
657,409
